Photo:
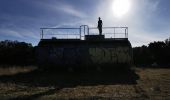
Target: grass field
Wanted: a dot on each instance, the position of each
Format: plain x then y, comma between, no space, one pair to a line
17,83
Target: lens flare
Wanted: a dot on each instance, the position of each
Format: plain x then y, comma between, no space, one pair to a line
121,7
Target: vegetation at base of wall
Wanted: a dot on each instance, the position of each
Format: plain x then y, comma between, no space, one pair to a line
155,54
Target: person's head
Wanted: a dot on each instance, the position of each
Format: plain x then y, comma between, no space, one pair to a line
99,18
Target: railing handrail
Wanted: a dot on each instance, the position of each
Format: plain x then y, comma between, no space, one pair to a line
60,28
107,27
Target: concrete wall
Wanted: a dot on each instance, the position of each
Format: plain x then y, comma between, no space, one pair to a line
110,55
84,55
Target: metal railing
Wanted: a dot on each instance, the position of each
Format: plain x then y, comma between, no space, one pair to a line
112,31
79,33
64,32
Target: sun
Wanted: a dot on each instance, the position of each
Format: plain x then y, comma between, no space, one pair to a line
121,7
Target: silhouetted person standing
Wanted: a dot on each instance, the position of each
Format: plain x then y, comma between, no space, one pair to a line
100,26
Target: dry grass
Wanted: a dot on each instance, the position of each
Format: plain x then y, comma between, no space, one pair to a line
6,70
152,84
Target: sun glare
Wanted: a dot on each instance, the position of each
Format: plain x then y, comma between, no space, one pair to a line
120,7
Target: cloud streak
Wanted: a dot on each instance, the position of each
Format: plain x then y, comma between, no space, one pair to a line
71,10
6,32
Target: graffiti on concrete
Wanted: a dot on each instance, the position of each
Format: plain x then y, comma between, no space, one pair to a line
110,55
63,55
97,55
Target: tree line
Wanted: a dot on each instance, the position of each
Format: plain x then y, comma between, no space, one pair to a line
22,53
16,53
155,54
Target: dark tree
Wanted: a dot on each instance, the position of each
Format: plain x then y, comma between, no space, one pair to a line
14,52
155,53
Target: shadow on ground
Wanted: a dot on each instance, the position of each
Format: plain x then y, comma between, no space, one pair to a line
71,79
65,79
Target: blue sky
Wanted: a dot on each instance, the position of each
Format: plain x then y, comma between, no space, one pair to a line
148,20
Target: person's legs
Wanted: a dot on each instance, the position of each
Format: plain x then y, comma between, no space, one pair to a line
100,31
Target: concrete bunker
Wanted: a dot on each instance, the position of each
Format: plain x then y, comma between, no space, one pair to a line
84,47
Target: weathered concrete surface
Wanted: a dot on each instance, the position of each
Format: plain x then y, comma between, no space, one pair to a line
84,52
110,55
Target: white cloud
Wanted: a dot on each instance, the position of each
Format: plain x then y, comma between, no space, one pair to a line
6,32
71,10
140,39
61,7
22,34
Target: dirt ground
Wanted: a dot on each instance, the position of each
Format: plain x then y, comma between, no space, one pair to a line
17,83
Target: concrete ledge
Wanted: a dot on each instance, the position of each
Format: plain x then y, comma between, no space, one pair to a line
94,37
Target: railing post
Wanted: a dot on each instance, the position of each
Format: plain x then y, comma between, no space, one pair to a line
80,32
88,30
114,32
125,33
84,29
42,34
